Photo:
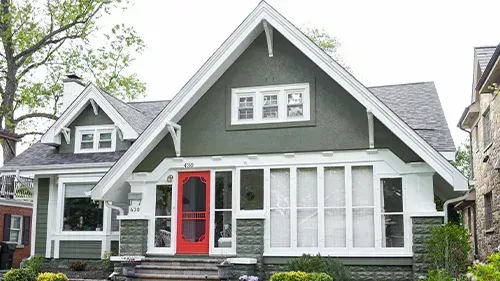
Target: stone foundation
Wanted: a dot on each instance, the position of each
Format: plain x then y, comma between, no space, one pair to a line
133,237
421,234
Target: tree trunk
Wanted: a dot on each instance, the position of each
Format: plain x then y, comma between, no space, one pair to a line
9,150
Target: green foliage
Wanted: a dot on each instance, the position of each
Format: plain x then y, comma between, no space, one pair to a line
42,41
325,41
439,275
300,276
107,264
495,88
462,159
78,266
489,271
49,276
20,274
452,238
36,263
331,266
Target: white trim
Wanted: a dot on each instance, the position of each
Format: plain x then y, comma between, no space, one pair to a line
242,260
96,131
269,37
16,203
371,133
91,92
60,169
258,93
51,210
34,216
219,62
67,134
449,155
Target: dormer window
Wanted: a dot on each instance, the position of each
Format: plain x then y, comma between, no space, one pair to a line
95,139
270,104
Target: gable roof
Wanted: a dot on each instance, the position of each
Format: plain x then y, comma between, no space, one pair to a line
483,55
219,62
419,106
40,154
491,54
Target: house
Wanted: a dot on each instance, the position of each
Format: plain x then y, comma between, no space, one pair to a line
480,118
270,150
16,196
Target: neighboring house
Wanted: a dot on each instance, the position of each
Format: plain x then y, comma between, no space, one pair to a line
16,196
271,150
481,119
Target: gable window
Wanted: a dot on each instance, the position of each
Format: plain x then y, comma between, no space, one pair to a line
270,104
486,128
95,139
488,213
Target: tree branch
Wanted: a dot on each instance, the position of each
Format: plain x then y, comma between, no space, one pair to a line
42,62
29,133
35,115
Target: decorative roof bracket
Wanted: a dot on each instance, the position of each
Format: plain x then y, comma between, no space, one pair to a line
269,37
175,130
95,107
67,134
371,137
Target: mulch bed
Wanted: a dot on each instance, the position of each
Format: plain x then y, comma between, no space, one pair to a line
98,274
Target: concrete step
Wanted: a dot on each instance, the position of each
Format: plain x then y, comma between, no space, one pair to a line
167,268
173,277
201,262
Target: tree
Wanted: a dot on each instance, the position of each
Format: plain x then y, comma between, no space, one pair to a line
462,159
325,41
41,42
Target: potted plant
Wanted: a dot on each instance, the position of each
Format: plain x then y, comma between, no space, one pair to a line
223,270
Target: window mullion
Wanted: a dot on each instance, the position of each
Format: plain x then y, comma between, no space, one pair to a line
321,205
96,139
257,106
293,207
348,200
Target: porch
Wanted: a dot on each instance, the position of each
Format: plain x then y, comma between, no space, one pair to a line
16,188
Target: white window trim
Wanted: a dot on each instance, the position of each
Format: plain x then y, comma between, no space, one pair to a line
258,99
95,130
20,237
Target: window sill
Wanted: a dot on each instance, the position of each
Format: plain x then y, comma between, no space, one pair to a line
487,147
489,231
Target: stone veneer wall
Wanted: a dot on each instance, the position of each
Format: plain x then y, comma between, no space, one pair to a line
421,234
133,237
487,179
249,244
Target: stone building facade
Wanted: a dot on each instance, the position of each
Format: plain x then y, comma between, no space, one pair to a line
481,211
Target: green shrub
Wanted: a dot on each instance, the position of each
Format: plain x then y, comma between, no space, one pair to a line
454,238
49,276
107,264
20,274
300,276
439,275
36,263
331,266
78,266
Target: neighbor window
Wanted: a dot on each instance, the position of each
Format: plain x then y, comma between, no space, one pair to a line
469,219
392,213
486,128
268,104
15,229
252,189
95,139
81,213
488,214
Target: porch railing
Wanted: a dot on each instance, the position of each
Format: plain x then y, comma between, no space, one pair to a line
18,188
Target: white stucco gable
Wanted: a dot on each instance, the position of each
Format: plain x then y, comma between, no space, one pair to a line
90,95
262,18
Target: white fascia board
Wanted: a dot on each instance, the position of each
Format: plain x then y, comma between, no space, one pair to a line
218,63
52,136
84,168
449,155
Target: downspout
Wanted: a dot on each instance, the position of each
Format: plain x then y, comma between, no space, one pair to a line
120,210
450,201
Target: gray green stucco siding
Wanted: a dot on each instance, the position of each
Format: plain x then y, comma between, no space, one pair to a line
41,216
80,249
88,118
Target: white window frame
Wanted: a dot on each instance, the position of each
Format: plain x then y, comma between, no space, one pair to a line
96,131
258,94
404,213
20,237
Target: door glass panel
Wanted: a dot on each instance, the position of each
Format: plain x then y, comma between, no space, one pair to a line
223,190
163,200
223,232
163,216
223,218
163,230
194,209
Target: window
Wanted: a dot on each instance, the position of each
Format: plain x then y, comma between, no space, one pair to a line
252,189
95,139
80,212
163,216
15,229
363,207
392,213
335,207
223,224
486,128
270,104
307,207
280,208
488,214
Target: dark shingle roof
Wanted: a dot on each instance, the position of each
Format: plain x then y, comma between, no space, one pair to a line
419,106
484,55
489,62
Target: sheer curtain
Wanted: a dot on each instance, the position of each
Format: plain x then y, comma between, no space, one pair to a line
280,208
335,213
363,220
307,207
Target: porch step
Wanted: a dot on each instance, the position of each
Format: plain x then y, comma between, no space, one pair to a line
173,277
203,270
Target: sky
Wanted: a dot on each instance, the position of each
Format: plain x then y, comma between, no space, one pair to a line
383,42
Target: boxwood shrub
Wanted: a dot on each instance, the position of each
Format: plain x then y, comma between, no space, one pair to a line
300,276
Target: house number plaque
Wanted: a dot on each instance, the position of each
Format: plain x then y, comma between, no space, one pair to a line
189,165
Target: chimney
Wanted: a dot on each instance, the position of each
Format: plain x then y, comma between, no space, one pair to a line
72,87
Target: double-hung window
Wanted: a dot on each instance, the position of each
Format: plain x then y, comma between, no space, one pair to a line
15,229
392,213
270,104
95,139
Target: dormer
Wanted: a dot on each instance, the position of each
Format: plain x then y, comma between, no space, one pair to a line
93,121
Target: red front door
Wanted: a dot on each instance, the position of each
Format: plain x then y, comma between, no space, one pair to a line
193,213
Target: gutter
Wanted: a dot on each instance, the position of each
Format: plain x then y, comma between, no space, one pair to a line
120,210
